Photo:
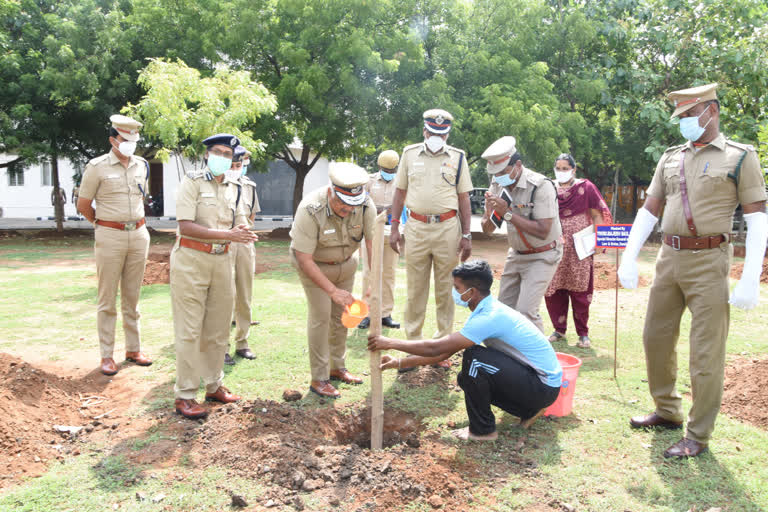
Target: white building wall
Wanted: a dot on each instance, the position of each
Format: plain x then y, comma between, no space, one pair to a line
33,199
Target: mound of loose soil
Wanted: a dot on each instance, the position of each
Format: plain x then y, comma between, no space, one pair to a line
605,276
158,268
745,397
321,451
32,401
736,269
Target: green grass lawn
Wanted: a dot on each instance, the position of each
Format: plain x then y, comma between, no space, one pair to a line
590,459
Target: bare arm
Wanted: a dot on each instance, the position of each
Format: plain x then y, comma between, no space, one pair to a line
442,347
309,267
537,227
85,206
239,233
597,216
654,205
465,212
759,206
397,211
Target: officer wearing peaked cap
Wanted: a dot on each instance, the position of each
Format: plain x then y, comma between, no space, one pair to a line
243,257
433,182
381,188
533,227
202,289
326,233
117,183
699,184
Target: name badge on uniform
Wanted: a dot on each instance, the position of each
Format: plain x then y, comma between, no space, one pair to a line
207,194
329,231
418,164
111,176
357,226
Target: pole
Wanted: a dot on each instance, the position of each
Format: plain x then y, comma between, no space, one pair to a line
616,317
374,313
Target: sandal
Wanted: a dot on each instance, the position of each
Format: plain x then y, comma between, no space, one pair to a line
556,336
584,342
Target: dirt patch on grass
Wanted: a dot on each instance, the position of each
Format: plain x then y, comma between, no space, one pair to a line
744,395
605,276
33,401
737,268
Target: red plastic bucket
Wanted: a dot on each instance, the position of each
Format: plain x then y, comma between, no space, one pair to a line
564,403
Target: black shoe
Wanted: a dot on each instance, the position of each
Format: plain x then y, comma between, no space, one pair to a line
365,323
406,370
228,359
245,353
234,324
388,322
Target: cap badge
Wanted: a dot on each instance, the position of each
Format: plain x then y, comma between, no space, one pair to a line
233,142
439,119
356,190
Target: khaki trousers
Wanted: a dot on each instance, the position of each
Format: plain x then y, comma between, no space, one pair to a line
698,280
389,266
430,249
201,298
243,268
326,336
525,280
120,260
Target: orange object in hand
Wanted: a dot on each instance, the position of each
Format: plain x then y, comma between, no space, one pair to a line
354,314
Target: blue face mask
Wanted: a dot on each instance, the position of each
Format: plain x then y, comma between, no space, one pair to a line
504,180
386,176
457,297
218,164
244,171
690,128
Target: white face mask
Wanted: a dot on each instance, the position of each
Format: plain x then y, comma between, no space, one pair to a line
127,147
563,176
435,143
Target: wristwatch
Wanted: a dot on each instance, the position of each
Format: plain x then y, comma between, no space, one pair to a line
468,236
508,216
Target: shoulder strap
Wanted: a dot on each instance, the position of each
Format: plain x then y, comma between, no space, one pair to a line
253,198
533,195
684,196
146,178
737,171
237,203
458,173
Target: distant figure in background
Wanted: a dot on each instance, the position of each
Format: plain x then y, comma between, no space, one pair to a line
581,205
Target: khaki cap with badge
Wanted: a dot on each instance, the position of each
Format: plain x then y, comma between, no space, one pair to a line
347,180
127,127
686,99
498,154
388,159
437,121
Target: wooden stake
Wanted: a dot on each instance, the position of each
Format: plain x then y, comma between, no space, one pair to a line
374,313
616,317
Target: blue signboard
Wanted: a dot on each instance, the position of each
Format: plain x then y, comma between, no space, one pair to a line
612,236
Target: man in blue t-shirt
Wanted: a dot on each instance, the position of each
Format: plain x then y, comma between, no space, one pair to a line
516,369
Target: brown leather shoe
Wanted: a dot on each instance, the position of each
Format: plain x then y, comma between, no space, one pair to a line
344,376
140,358
685,448
653,420
108,366
222,395
324,388
190,409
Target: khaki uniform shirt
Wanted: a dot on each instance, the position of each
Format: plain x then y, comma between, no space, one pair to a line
712,194
431,180
317,230
207,202
249,201
544,206
382,192
117,190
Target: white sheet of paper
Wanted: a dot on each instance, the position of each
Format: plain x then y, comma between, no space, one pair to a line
584,242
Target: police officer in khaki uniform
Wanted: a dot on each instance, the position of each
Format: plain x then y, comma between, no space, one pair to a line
329,224
701,182
533,227
117,182
202,289
243,257
381,189
433,182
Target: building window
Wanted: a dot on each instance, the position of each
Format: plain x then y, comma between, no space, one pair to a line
15,176
46,176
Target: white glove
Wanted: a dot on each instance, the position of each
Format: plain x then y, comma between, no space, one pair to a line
747,291
641,228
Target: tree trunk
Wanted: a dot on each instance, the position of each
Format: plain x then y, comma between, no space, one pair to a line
298,186
58,205
634,198
615,198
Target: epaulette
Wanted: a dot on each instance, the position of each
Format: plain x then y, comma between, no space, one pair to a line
140,158
413,146
99,159
451,148
670,148
196,174
743,147
313,208
247,181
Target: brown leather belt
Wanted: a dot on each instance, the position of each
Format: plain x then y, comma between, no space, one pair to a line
203,247
333,262
542,248
694,242
127,226
430,219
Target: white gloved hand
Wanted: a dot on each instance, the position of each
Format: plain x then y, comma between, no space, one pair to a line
641,228
746,294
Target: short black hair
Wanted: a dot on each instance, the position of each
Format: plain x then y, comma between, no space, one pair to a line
716,102
568,158
476,274
514,158
113,132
